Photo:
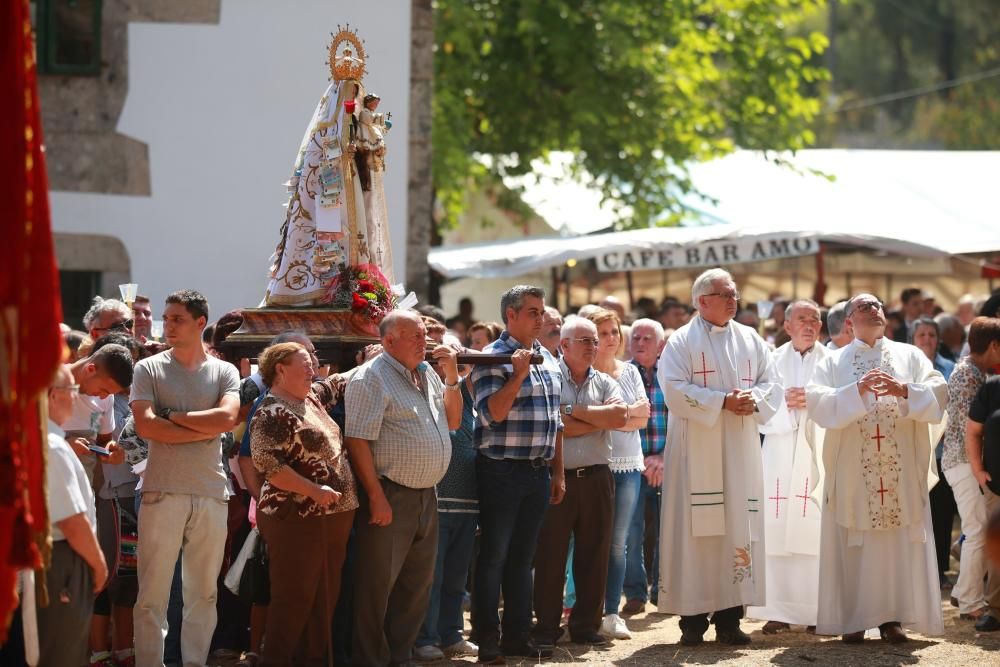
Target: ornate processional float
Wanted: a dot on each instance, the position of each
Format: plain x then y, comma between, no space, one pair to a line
331,274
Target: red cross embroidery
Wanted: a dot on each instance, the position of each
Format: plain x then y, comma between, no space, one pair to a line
805,497
777,497
704,371
878,437
748,379
882,490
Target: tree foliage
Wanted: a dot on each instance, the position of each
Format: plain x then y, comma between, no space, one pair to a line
892,46
635,89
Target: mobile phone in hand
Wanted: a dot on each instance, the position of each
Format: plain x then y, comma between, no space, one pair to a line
100,451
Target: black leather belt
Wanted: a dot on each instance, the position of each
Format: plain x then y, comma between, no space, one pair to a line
586,470
537,462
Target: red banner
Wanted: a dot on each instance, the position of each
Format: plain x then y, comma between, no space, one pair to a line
31,346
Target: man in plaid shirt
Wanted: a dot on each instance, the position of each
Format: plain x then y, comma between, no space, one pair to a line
519,470
648,339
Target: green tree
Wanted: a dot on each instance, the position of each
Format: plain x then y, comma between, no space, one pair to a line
909,73
635,89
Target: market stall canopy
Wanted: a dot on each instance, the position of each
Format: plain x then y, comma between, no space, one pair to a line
912,203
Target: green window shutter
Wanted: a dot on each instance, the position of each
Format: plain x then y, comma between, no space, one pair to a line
69,36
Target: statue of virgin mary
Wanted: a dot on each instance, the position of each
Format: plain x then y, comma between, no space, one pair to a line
336,214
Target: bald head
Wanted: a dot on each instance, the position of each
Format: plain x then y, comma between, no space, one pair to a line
395,318
404,337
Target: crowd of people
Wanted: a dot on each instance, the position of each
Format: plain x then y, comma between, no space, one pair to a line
690,456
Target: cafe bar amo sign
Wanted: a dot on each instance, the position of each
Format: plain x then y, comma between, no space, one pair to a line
707,253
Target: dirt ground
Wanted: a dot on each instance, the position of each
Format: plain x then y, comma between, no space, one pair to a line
655,640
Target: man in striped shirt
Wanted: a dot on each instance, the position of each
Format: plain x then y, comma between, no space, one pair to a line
519,470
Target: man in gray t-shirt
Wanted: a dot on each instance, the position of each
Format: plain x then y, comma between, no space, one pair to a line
182,400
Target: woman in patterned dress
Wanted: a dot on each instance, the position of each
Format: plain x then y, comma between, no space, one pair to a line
306,504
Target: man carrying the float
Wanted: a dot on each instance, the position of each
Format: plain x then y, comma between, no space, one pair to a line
877,399
718,380
791,475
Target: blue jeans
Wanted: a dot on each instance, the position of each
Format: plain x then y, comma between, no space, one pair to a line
456,539
626,503
636,582
513,498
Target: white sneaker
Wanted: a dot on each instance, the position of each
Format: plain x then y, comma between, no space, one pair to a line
614,627
461,647
427,653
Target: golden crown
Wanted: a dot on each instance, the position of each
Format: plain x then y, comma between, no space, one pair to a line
347,55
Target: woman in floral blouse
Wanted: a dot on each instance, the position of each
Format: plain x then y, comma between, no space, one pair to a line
306,504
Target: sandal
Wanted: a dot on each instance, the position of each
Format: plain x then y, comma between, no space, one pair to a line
974,615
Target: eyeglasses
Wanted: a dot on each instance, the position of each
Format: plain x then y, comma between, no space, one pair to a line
586,341
735,296
865,306
71,388
124,325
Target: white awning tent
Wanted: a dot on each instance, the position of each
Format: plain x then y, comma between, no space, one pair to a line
918,204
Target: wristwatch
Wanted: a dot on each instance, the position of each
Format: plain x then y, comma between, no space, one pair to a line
568,409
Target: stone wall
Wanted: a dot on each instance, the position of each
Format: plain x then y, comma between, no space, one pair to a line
84,151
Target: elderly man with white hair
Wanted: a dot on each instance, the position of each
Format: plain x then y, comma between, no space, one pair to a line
648,339
592,406
791,475
720,385
838,327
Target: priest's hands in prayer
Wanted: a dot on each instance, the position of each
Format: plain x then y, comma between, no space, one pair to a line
795,398
880,383
740,402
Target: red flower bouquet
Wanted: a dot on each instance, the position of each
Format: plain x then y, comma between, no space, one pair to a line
362,289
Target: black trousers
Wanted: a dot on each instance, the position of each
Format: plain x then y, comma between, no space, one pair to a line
725,620
943,510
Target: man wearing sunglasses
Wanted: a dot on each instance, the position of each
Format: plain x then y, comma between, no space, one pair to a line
877,400
106,316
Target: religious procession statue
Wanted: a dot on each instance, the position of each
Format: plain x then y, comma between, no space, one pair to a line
334,250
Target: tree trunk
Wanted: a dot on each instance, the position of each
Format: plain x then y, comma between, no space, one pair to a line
420,193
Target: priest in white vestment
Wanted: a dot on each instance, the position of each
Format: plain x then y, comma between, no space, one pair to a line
791,475
718,382
877,399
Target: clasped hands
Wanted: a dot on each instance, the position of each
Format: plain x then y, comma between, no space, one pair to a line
877,381
740,402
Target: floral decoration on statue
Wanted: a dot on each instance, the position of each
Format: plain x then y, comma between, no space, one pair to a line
362,289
